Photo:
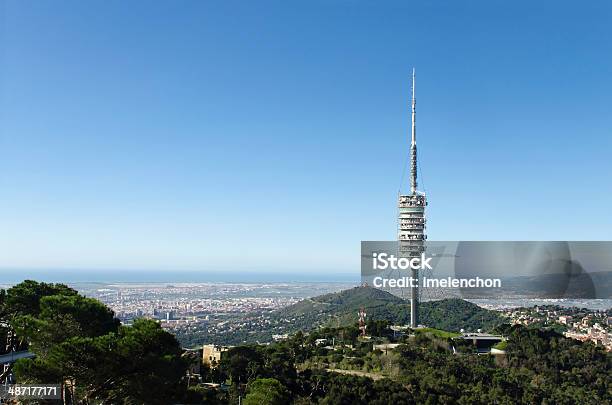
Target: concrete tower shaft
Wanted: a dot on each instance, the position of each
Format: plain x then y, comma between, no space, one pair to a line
411,221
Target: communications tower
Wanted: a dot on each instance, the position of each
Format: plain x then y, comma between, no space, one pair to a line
411,222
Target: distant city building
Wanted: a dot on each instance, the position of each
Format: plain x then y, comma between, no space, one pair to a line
277,338
320,342
385,347
211,354
482,341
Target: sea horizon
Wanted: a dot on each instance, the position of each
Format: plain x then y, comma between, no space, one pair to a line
12,276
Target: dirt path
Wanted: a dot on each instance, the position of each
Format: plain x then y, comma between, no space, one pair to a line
373,376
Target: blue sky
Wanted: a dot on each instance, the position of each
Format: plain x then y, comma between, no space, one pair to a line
271,136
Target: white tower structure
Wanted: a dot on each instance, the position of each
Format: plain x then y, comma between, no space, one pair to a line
411,221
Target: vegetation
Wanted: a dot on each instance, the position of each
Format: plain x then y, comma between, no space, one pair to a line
540,367
456,314
341,309
437,332
266,391
78,342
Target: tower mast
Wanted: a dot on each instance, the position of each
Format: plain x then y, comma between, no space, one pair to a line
413,146
411,226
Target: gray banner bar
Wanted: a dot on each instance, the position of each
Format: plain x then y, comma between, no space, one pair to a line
493,269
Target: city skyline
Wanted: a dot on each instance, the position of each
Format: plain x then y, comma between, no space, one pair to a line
165,137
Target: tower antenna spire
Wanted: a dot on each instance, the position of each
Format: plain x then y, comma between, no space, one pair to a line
413,146
411,232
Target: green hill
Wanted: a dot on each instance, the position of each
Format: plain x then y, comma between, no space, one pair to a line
456,314
342,308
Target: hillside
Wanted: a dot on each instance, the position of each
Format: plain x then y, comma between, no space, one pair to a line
581,285
339,308
456,314
342,308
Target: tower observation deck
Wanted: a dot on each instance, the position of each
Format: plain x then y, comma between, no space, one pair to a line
411,222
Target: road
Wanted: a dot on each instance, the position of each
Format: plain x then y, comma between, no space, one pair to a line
373,376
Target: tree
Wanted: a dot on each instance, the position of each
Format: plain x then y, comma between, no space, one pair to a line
152,366
138,364
266,391
242,364
279,363
61,317
24,298
19,301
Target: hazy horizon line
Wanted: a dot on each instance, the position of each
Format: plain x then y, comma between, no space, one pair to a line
75,275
